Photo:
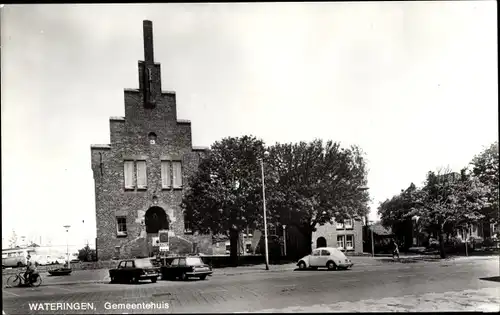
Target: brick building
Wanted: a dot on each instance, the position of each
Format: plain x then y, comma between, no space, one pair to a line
141,175
346,236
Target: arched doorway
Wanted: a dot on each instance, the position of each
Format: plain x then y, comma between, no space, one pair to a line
320,242
155,219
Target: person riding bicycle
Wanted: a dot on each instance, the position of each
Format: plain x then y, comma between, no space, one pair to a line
30,270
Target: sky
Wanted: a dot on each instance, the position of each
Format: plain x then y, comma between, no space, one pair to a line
413,84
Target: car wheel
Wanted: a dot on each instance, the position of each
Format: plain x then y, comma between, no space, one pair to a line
133,280
203,277
154,280
183,276
302,265
113,280
331,265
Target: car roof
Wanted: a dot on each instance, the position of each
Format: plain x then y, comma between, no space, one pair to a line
328,248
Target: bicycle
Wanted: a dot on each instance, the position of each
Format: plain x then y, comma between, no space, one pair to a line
19,281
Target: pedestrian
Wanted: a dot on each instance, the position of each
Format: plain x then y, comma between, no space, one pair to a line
395,250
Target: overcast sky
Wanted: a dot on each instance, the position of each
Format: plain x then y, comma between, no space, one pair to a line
414,84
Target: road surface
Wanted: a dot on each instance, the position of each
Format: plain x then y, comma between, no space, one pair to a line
420,286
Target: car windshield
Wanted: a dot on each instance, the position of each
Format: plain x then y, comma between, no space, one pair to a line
194,261
143,263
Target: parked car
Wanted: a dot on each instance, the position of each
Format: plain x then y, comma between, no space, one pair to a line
329,257
134,270
185,267
43,260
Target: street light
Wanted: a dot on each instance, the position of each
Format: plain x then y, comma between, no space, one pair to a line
67,245
264,206
373,243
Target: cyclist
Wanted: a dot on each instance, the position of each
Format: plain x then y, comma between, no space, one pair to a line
30,270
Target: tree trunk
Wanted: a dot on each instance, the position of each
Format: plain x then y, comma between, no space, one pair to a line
233,241
441,243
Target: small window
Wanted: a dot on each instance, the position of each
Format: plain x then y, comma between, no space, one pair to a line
325,252
271,229
182,261
129,264
121,223
316,253
175,262
166,174
121,264
349,224
340,225
152,138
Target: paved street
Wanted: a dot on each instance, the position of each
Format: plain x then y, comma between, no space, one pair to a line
452,285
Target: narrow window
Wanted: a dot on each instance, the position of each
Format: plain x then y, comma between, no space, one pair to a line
340,242
177,174
187,225
142,179
349,242
166,178
128,169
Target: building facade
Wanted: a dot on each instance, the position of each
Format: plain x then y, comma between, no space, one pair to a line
141,175
346,236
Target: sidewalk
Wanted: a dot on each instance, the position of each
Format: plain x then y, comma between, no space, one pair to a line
485,300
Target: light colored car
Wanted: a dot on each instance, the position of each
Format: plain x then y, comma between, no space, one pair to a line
328,257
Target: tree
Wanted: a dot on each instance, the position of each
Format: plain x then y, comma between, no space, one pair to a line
13,240
225,193
448,198
396,212
87,254
311,183
485,169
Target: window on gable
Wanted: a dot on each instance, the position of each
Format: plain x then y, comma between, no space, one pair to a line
152,138
121,226
177,174
128,170
142,178
166,174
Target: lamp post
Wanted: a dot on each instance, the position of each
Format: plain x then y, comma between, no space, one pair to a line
264,209
67,244
284,240
370,226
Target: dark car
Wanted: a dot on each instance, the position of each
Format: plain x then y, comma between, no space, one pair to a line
186,267
134,270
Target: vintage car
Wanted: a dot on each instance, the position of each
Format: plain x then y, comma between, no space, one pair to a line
134,270
329,257
185,267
